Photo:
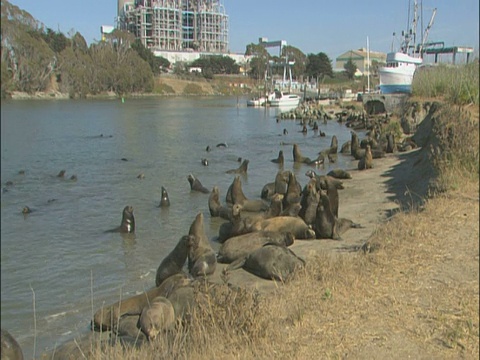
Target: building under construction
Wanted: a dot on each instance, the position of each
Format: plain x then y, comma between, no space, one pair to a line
176,25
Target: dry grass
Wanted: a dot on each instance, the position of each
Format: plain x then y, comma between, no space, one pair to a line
416,294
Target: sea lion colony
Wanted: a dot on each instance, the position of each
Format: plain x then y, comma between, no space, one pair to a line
254,237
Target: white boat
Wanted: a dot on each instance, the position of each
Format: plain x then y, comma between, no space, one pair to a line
397,75
257,101
284,99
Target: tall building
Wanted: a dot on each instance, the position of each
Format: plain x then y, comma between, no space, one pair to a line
176,25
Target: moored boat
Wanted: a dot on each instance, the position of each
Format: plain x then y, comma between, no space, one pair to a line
284,99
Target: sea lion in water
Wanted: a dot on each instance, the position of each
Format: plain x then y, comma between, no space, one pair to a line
156,317
333,145
141,176
271,262
128,221
280,159
201,257
339,174
61,174
298,157
173,263
240,246
235,195
165,200
10,349
242,169
216,208
204,162
26,210
196,185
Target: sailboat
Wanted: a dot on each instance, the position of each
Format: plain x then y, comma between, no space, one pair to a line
397,75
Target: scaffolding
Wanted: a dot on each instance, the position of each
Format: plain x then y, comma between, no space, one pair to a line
176,25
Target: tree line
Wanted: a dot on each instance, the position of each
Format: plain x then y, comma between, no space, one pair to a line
33,57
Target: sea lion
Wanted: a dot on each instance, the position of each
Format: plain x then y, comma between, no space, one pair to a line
107,317
275,208
10,349
61,174
295,225
298,157
339,174
73,177
201,259
333,145
271,262
354,143
346,149
26,210
141,176
174,261
204,162
293,194
240,246
196,185
128,221
322,180
183,301
281,182
309,202
222,145
332,158
165,200
391,145
291,210
366,162
332,194
242,169
325,222
235,195
216,208
128,326
208,148
156,317
280,159
268,191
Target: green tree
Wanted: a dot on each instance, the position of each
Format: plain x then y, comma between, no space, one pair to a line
157,64
350,69
319,66
258,63
291,53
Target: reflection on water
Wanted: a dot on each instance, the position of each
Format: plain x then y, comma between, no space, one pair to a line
61,253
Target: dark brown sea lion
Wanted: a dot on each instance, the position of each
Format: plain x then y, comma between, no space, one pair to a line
10,349
280,159
236,226
128,221
391,145
235,195
298,157
240,246
268,191
354,143
156,317
165,200
294,190
271,261
322,180
281,182
216,208
141,176
204,162
309,202
339,174
183,301
332,194
346,149
291,210
276,206
333,145
61,174
242,169
201,257
173,263
26,210
196,185
325,222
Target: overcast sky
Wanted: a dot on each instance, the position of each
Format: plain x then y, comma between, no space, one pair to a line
313,26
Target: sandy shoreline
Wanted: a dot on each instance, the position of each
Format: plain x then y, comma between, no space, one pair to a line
366,200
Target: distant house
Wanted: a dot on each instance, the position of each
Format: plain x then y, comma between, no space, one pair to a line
359,58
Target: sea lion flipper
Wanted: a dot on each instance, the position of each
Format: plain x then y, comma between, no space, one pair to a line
237,264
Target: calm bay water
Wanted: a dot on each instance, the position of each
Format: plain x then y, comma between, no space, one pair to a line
57,260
